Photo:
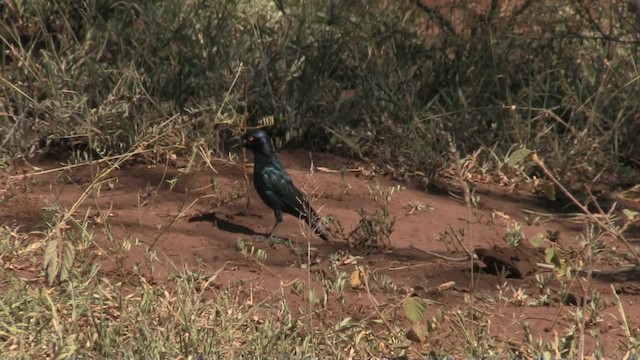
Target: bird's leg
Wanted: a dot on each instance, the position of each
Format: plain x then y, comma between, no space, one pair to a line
272,235
274,229
278,215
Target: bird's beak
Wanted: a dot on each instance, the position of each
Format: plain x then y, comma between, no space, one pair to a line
238,141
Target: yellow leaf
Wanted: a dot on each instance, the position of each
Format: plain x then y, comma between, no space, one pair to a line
630,214
360,336
549,190
354,279
417,333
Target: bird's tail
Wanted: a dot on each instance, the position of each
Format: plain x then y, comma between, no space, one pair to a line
315,222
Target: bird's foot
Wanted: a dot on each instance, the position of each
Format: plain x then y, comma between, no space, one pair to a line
261,238
274,240
287,242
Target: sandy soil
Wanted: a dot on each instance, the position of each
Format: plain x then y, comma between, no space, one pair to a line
141,203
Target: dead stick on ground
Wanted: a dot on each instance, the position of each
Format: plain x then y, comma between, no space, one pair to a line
463,259
611,229
443,257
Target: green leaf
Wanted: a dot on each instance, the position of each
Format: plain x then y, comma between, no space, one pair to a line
536,240
51,259
296,68
630,214
344,324
550,257
518,155
67,260
414,308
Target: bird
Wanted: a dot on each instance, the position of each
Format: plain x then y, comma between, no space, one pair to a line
275,187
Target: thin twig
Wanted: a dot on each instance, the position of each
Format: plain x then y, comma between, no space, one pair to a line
374,302
396,268
244,130
93,162
459,241
585,289
10,134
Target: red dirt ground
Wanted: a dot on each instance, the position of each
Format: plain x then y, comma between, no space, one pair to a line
140,203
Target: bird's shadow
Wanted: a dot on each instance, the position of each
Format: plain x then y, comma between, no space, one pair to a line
223,224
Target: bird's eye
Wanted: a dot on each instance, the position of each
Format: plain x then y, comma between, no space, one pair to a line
250,138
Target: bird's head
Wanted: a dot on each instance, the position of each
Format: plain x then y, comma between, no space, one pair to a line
258,141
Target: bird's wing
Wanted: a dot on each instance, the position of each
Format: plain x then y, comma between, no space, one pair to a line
279,182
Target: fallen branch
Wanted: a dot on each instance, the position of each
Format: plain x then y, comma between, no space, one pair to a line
443,257
629,273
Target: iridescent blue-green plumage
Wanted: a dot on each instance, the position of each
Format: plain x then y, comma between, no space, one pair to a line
274,185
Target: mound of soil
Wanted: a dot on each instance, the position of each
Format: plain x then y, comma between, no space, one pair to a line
516,262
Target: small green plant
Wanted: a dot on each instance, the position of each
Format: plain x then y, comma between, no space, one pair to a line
336,284
297,288
14,244
381,282
374,228
345,188
247,248
414,207
472,327
382,195
514,236
595,308
531,220
452,238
